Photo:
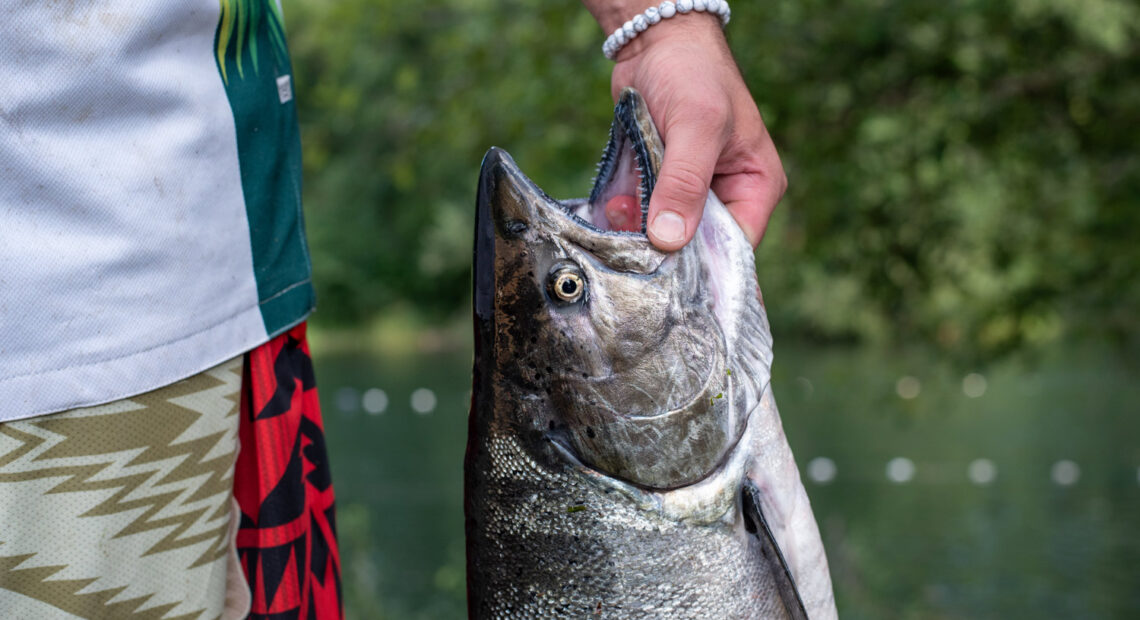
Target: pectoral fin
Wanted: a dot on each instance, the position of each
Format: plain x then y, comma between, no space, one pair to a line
756,525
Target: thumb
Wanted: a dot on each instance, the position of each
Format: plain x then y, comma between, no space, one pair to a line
678,200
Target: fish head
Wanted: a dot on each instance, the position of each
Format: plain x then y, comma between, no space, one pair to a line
618,354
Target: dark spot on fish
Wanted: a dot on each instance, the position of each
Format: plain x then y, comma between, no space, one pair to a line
534,340
549,370
552,425
749,507
590,432
585,376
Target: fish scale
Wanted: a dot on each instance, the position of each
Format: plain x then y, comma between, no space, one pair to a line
625,455
598,556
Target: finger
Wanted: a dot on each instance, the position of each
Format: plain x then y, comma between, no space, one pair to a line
691,153
751,198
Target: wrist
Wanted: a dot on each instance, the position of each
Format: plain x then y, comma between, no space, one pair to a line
692,27
610,15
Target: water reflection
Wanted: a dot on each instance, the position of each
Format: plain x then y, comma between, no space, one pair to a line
933,501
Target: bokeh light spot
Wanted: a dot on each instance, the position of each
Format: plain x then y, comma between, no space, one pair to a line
423,401
347,399
973,385
908,387
982,471
1066,473
822,470
900,469
375,401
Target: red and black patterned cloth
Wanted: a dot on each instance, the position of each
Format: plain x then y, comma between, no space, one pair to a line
287,537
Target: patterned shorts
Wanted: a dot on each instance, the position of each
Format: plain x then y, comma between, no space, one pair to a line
208,498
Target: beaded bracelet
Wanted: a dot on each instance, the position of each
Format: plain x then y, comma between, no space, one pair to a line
629,30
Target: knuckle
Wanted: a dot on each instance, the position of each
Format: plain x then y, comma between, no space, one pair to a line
710,111
684,184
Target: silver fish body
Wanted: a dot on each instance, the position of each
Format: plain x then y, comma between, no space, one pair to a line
625,456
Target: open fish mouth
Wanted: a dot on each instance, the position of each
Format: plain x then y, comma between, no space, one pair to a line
621,339
627,170
626,174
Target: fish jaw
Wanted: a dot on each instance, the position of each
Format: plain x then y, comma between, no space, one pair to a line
635,372
569,512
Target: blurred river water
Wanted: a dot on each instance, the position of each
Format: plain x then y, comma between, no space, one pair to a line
1011,491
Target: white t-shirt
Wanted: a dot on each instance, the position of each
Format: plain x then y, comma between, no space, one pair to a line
150,218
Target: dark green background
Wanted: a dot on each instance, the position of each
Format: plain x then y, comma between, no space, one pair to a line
964,184
964,173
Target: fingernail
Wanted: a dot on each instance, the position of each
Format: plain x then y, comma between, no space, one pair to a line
668,226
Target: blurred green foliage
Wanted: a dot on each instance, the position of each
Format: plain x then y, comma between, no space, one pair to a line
962,172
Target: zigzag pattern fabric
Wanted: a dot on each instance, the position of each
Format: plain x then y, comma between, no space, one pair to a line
123,510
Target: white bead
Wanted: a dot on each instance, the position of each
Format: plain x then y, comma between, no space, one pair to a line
640,23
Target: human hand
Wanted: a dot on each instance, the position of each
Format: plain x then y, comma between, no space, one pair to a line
714,136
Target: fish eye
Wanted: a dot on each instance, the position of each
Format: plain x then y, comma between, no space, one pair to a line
567,283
